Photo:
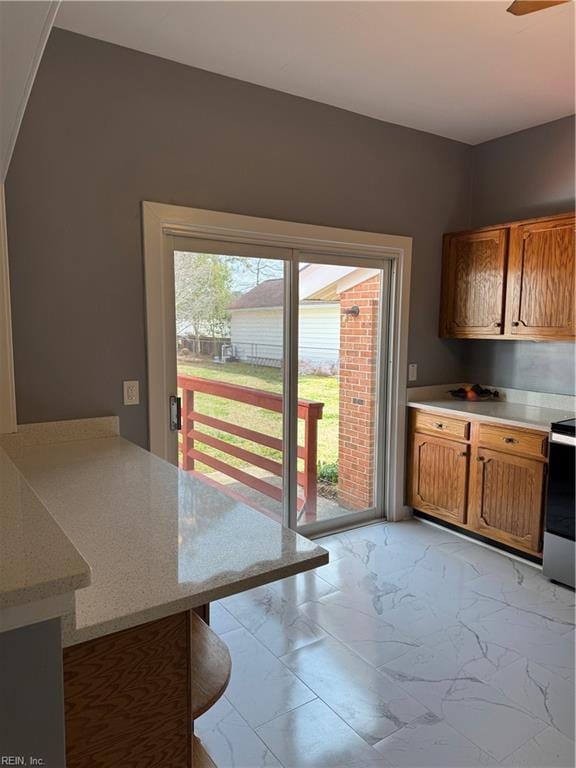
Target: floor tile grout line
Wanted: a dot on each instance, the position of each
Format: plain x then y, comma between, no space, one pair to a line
258,735
302,615
392,682
326,704
314,695
253,729
288,711
449,724
455,727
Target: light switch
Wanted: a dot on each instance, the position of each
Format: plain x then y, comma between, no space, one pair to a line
412,372
131,393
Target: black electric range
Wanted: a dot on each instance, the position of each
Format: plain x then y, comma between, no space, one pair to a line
559,549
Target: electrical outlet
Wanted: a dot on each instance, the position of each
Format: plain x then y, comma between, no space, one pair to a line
412,372
131,393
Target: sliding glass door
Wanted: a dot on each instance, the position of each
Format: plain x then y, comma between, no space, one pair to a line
281,367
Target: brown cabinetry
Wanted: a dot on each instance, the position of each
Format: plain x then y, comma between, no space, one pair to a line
506,498
484,477
439,477
541,274
473,288
515,281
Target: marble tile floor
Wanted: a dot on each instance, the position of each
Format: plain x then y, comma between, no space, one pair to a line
413,648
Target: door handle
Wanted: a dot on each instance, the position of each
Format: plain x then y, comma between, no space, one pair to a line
175,413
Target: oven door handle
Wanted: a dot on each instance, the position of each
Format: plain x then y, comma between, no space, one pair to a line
558,437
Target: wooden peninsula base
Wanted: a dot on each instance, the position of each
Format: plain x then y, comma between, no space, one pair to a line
131,697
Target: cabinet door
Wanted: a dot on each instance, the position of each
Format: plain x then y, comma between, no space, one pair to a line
438,477
506,498
541,273
473,284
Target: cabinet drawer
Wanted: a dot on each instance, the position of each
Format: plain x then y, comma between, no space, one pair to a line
439,424
513,439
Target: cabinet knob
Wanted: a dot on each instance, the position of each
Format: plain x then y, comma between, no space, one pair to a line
463,454
439,425
497,324
480,458
509,439
516,323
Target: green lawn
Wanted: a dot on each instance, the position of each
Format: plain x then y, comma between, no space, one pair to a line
319,388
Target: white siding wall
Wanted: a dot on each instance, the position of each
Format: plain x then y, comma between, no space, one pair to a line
319,333
258,333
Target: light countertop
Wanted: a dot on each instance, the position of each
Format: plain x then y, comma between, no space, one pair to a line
505,412
37,560
158,540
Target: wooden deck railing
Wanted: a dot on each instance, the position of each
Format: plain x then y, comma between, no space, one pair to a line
308,411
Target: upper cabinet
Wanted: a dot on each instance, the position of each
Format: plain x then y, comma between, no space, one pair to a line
510,282
541,273
473,287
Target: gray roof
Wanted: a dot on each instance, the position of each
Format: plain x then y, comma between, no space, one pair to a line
269,293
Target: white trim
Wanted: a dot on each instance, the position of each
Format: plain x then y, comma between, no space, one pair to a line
50,10
7,388
161,222
398,362
290,393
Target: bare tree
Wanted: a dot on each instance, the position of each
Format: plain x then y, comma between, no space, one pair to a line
202,283
250,272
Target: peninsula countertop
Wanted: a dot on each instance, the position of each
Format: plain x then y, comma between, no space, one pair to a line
37,560
157,540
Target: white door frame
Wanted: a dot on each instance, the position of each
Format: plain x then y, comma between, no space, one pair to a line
162,222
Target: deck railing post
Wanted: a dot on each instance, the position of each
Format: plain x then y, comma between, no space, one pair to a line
310,482
187,425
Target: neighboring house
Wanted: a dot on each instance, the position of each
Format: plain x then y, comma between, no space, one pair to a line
257,317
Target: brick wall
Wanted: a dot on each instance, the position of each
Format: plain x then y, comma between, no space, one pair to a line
358,353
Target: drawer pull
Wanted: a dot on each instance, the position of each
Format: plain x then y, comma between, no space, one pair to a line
510,440
439,425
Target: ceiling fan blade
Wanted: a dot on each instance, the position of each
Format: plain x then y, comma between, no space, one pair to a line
522,7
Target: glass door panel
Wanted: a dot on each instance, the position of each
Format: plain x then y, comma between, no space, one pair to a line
230,351
339,389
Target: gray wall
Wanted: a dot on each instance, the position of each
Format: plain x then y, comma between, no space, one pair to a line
107,127
32,694
526,174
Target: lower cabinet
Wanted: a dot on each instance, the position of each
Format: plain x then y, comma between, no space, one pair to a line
506,498
439,477
485,478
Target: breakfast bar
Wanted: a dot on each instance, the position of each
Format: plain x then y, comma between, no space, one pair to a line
140,661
